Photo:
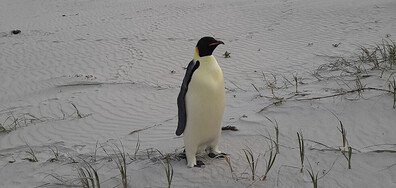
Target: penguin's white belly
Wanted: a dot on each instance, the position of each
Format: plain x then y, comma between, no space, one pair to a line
205,107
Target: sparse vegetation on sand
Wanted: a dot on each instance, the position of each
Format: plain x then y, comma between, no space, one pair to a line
168,169
32,154
269,162
300,138
13,120
252,161
313,175
256,163
88,176
227,54
119,159
380,60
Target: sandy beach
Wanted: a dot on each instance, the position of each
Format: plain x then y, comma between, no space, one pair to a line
87,81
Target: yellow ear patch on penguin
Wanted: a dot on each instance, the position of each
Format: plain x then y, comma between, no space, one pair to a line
196,51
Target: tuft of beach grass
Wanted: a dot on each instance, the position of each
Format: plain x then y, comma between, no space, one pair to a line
55,152
119,159
32,154
168,169
301,149
251,161
314,177
270,161
88,176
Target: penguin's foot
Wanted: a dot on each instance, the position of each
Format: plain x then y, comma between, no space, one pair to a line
218,156
182,155
199,164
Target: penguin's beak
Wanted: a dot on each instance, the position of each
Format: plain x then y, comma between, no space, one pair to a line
216,43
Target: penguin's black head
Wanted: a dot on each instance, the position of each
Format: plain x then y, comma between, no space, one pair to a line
207,45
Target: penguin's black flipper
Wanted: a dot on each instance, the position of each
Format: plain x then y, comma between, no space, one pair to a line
181,103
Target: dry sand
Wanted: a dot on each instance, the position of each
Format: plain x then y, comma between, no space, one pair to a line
121,63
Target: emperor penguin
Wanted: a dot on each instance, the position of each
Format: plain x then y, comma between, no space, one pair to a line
201,102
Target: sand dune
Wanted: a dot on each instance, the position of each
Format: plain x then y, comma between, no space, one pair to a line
121,63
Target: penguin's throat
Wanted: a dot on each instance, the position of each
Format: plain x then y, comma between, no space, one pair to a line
210,59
